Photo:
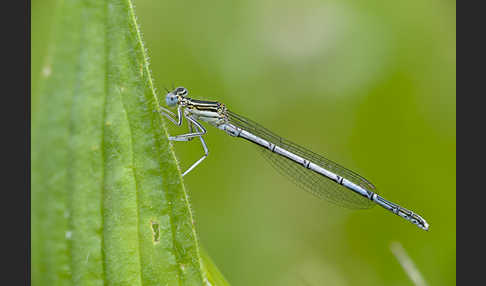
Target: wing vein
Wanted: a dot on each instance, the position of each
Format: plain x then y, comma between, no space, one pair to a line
307,179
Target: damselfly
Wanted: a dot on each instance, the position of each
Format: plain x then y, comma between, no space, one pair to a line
314,173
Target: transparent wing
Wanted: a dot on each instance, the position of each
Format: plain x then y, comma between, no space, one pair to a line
309,180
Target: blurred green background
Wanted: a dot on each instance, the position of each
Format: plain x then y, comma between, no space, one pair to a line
368,84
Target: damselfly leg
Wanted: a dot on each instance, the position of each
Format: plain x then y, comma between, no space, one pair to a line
171,116
189,136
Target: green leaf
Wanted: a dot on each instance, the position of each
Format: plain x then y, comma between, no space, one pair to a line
212,273
108,203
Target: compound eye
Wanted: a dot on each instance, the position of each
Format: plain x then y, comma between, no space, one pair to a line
171,99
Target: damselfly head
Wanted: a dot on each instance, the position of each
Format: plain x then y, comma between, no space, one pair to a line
172,98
